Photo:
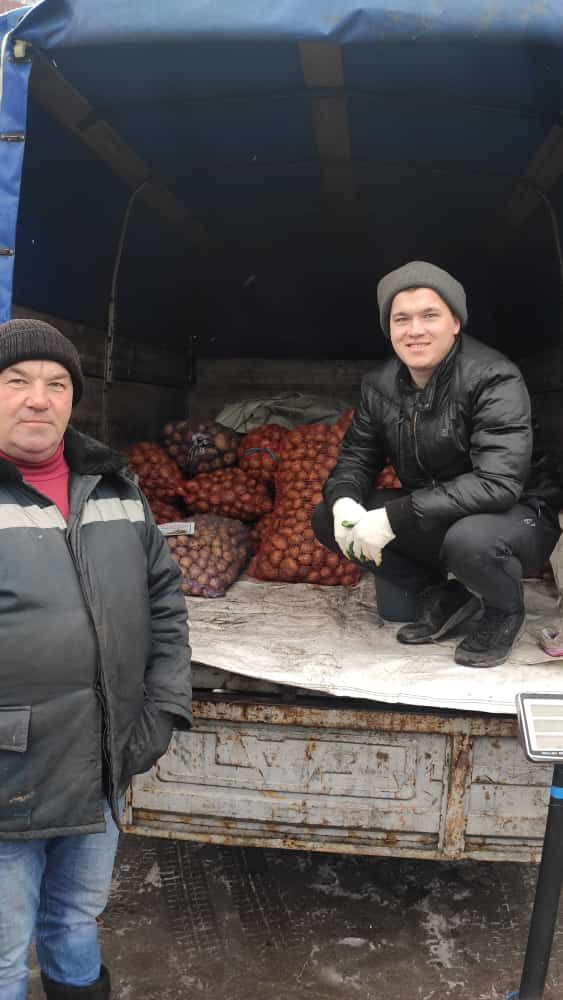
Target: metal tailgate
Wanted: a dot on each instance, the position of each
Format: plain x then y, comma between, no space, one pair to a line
346,777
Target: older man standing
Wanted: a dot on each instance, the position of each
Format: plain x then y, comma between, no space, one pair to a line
94,664
453,415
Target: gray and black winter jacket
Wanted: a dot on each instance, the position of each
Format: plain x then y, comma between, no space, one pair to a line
461,446
94,654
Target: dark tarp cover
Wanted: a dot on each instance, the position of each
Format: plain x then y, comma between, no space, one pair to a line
317,145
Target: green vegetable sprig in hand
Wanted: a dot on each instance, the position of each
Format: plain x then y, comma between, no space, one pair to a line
370,536
347,513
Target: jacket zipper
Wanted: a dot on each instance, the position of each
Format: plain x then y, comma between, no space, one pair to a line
99,684
417,456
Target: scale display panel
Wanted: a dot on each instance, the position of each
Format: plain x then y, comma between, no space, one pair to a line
540,717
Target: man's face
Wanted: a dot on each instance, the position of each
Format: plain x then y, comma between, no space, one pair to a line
422,330
35,407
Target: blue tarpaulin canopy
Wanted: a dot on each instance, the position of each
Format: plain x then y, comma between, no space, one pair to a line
58,24
284,155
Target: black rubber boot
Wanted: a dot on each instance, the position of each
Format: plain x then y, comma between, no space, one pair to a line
439,609
100,990
493,639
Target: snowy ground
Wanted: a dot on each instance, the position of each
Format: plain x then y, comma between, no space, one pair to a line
189,921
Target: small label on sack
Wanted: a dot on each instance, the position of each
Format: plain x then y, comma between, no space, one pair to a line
178,528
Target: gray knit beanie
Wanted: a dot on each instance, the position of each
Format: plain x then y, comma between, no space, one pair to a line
420,274
34,340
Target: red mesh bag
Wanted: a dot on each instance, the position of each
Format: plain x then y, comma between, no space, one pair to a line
260,529
258,451
164,512
210,551
388,478
200,447
289,550
159,476
229,493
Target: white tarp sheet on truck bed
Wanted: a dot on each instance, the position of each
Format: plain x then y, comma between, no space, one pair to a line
332,640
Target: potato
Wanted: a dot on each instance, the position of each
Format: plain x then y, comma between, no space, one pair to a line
278,542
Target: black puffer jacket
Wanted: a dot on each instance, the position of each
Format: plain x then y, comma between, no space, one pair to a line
461,446
95,662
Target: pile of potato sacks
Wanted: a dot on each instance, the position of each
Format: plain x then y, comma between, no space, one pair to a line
220,497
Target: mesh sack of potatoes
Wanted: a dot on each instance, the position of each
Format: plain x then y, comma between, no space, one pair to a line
260,529
229,493
201,447
211,552
258,451
164,512
388,478
288,550
158,475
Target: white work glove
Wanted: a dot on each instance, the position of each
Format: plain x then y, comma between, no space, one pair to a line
346,513
371,535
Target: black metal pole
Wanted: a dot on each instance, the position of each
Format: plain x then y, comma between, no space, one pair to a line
546,903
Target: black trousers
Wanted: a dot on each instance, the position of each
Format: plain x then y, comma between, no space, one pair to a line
488,553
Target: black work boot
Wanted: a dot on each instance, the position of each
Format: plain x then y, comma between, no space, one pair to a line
492,640
438,610
100,990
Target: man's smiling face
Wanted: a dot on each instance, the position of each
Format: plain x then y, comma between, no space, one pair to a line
422,329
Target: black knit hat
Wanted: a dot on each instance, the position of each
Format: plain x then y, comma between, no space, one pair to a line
34,340
420,274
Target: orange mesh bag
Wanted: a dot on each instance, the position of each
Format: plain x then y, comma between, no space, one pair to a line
289,550
388,478
159,476
260,529
258,451
210,551
164,512
229,493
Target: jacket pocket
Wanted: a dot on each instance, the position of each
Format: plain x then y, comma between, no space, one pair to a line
149,741
455,427
15,791
14,728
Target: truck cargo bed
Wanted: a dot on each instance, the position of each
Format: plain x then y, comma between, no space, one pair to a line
415,757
